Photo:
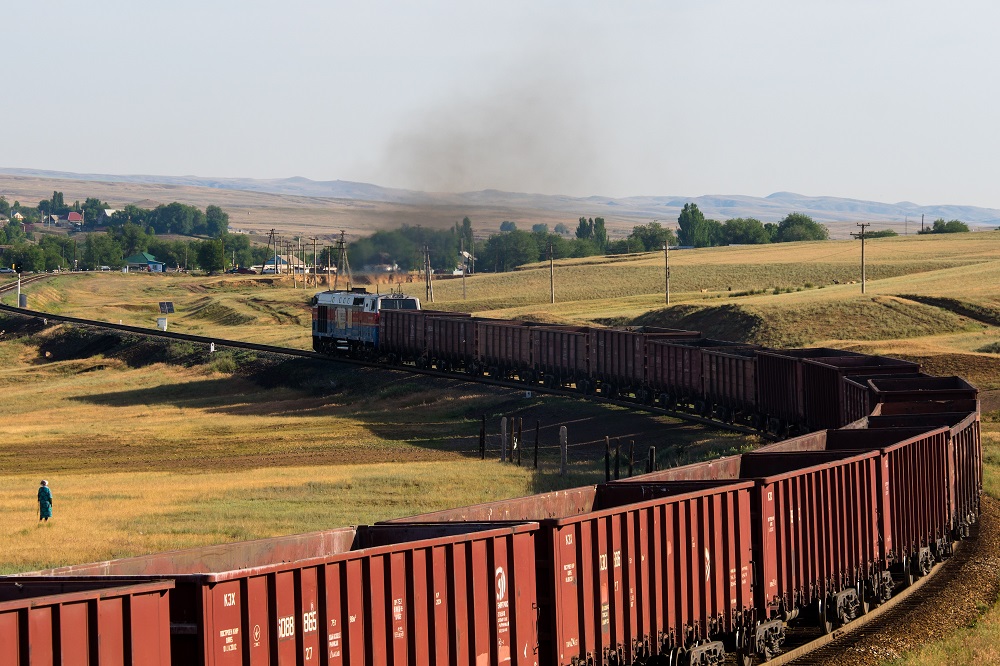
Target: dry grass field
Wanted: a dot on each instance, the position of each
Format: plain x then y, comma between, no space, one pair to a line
144,458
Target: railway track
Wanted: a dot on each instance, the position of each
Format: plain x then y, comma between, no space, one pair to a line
429,372
826,648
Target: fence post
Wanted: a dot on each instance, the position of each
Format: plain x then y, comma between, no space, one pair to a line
482,439
607,459
631,457
503,439
520,440
618,458
563,450
537,426
651,462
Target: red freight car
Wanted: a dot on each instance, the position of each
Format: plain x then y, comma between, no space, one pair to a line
965,459
918,394
46,621
729,382
858,402
675,369
823,382
561,355
816,513
780,390
916,470
403,334
401,594
619,357
627,577
451,342
505,349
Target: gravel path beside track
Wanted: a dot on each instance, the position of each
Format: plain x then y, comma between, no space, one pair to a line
955,597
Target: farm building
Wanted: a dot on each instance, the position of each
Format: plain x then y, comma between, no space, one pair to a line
144,262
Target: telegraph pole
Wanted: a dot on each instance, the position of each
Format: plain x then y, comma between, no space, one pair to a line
465,265
552,276
863,225
666,269
427,274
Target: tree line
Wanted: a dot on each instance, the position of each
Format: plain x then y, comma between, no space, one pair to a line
172,218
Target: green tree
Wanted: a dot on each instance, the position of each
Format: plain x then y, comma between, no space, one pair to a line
101,250
239,249
689,223
4,206
600,236
540,228
694,230
881,233
465,233
507,225
650,237
92,209
942,227
210,256
744,231
585,229
506,251
799,227
561,229
216,221
131,237
25,257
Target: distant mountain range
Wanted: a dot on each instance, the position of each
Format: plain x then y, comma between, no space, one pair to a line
767,209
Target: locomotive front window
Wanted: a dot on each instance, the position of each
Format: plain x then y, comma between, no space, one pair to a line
398,304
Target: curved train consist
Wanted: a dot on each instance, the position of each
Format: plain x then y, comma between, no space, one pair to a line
676,566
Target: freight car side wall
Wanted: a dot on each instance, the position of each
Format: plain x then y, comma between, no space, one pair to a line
819,526
101,622
730,379
663,573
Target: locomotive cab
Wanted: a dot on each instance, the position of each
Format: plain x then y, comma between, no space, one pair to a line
348,321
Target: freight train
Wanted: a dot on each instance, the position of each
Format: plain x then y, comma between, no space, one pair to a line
679,566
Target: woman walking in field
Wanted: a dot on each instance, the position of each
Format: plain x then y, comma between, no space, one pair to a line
44,502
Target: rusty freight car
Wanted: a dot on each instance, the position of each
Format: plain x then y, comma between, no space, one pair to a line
623,578
105,621
416,594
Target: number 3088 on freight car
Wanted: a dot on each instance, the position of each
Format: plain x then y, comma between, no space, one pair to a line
348,321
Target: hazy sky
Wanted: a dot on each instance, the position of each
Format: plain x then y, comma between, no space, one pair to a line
888,101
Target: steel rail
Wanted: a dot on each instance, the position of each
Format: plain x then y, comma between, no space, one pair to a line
302,353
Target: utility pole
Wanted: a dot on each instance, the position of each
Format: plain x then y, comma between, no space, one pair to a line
427,274
863,225
552,276
921,222
315,278
291,263
465,265
270,239
343,264
329,259
666,269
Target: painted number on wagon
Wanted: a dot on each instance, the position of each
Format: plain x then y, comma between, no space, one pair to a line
286,627
309,622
